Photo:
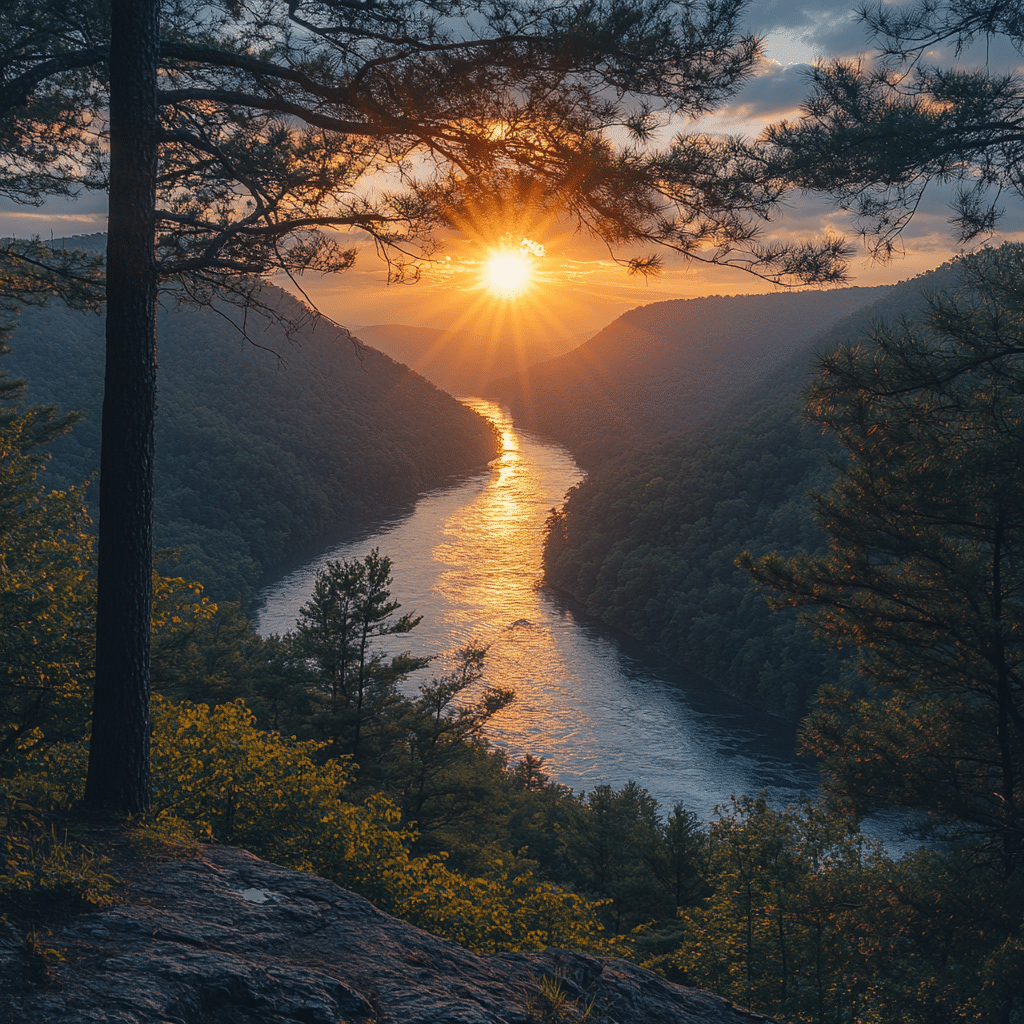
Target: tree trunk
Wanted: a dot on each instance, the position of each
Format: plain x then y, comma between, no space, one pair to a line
118,776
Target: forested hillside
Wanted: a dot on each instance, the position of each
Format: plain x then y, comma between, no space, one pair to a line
669,367
304,750
648,543
263,449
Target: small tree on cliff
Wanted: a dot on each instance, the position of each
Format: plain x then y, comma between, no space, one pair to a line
337,635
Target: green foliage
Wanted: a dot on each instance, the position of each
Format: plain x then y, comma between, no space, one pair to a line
648,544
203,651
239,785
504,910
265,448
923,576
45,583
498,824
613,841
792,913
680,862
649,547
615,845
771,876
442,764
807,921
336,639
49,776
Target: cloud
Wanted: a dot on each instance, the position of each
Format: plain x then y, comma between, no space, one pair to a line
927,241
86,204
798,31
57,216
775,93
818,29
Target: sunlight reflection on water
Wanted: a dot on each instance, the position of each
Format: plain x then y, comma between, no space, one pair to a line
468,558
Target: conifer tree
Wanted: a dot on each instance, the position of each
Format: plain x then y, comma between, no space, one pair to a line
876,134
338,635
924,577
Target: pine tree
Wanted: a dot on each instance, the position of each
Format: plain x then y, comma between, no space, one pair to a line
338,635
876,134
924,577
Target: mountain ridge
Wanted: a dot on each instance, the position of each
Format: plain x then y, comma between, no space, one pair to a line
666,368
264,450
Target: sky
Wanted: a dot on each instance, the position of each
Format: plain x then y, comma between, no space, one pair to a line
581,287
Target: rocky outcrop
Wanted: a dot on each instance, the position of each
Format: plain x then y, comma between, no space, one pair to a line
226,938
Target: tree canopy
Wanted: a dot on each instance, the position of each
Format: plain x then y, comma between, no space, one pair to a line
922,578
45,593
876,134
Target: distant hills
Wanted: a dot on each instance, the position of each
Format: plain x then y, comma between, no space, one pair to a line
669,367
460,362
264,450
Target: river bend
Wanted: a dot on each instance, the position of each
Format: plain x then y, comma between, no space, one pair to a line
467,558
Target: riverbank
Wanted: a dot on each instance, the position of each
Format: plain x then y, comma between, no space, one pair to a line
598,707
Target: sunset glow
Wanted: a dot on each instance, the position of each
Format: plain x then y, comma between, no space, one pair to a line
508,273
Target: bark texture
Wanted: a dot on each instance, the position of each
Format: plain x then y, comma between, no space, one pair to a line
118,776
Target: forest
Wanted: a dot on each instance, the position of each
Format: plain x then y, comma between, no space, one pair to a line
270,442
303,749
648,542
235,141
671,369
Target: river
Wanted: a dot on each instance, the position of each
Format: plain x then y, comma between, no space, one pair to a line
594,706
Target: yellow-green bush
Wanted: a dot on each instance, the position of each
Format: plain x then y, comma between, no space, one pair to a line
46,866
503,912
239,785
235,783
48,776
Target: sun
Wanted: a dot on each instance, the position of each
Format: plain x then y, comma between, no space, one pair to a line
508,273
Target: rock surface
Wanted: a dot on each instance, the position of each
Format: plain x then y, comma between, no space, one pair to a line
226,938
